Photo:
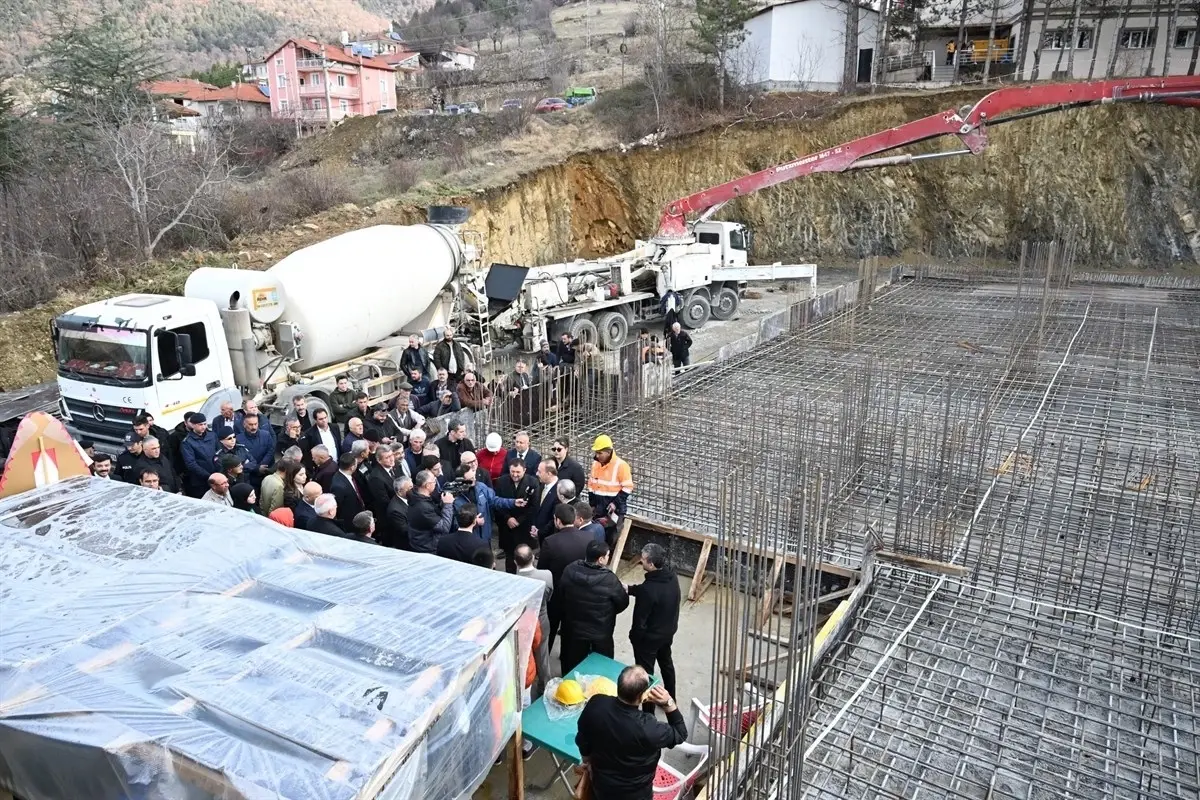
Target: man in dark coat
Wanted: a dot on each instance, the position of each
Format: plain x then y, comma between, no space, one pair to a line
396,519
291,436
592,597
453,445
513,525
428,520
564,348
462,544
379,483
559,551
679,342
325,520
341,400
546,499
323,432
621,744
197,450
256,436
128,459
229,446
415,358
451,356
521,450
153,458
655,616
344,489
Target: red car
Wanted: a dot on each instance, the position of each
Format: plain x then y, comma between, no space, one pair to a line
550,104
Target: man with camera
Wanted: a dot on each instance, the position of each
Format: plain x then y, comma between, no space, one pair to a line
428,520
467,490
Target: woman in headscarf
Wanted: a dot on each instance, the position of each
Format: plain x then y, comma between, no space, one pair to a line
283,515
243,497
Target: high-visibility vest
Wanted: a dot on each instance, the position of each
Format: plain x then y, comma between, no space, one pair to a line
610,479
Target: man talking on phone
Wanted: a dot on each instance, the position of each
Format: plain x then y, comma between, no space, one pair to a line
621,744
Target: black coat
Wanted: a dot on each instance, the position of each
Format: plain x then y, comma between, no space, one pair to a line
125,467
562,549
415,359
380,488
324,473
511,537
622,744
680,344
284,442
532,459
312,438
328,526
570,470
349,504
441,358
168,478
543,513
655,609
460,546
591,596
428,520
395,524
451,453
303,514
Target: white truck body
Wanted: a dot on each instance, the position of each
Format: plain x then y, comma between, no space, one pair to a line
274,334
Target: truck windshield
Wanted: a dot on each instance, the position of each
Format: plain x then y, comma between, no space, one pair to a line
116,355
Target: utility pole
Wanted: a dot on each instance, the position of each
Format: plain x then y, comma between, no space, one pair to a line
587,23
325,82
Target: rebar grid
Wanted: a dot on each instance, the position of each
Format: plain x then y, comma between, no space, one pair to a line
997,695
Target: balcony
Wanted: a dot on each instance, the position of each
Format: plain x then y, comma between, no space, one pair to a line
316,64
335,91
321,115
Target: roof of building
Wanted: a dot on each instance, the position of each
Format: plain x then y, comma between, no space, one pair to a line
466,51
398,57
334,52
182,88
241,93
862,5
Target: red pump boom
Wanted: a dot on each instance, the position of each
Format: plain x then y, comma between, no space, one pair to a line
968,124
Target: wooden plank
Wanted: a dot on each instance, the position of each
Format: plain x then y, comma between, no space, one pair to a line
924,563
516,766
768,603
701,565
615,561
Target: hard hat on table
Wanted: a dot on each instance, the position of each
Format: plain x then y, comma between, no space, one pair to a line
603,442
569,693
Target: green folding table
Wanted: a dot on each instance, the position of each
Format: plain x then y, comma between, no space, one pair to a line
557,737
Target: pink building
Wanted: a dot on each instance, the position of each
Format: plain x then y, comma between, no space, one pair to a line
323,83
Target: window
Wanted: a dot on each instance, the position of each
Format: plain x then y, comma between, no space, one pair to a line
279,61
341,80
1057,39
281,81
317,105
1185,37
344,106
708,237
315,78
199,342
283,104
738,240
1138,38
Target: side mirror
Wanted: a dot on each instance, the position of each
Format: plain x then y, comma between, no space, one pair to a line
187,370
168,353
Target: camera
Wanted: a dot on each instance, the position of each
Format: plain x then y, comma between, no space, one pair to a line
458,487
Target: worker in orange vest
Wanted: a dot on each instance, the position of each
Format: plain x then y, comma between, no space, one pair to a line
609,487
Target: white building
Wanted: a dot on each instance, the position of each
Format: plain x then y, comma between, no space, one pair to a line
798,46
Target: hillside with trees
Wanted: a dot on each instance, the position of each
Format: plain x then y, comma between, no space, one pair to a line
194,33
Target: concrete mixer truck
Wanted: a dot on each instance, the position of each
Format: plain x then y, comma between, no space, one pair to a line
287,331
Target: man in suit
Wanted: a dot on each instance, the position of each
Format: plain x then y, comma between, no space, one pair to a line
323,432
324,466
547,499
514,525
522,451
344,489
462,544
566,546
305,510
380,481
395,521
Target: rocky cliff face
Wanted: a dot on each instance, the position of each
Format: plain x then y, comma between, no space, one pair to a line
1124,182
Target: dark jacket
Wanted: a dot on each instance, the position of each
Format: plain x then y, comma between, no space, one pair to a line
312,438
622,744
349,440
441,358
436,409
221,426
262,448
532,459
125,467
345,491
419,394
428,520
328,526
543,514
591,598
395,524
415,358
655,609
388,429
168,479
570,470
284,442
379,487
197,460
243,455
563,548
460,546
680,344
173,447
511,537
303,514
565,352
341,405
451,453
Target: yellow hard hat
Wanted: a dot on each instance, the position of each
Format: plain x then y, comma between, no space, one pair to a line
601,685
569,693
603,442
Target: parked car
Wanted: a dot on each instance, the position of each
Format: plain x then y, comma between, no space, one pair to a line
469,107
550,104
580,95
512,104
453,110
422,112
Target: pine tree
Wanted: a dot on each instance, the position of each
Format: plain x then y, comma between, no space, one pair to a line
720,29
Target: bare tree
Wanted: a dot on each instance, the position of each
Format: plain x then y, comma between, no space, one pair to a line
1116,44
1191,70
850,51
657,18
163,186
1169,44
1154,38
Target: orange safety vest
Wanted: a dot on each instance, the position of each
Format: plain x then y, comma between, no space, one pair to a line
608,480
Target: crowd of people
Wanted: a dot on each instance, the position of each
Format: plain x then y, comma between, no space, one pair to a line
377,474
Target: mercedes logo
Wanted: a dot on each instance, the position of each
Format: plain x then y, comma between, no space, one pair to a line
98,412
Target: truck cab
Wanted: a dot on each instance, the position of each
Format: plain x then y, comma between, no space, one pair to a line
729,241
135,353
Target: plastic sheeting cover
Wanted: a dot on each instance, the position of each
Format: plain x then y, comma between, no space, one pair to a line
153,646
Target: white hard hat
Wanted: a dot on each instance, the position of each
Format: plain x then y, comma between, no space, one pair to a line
494,442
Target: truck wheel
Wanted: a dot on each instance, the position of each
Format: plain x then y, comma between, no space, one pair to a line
725,303
696,311
613,328
583,329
